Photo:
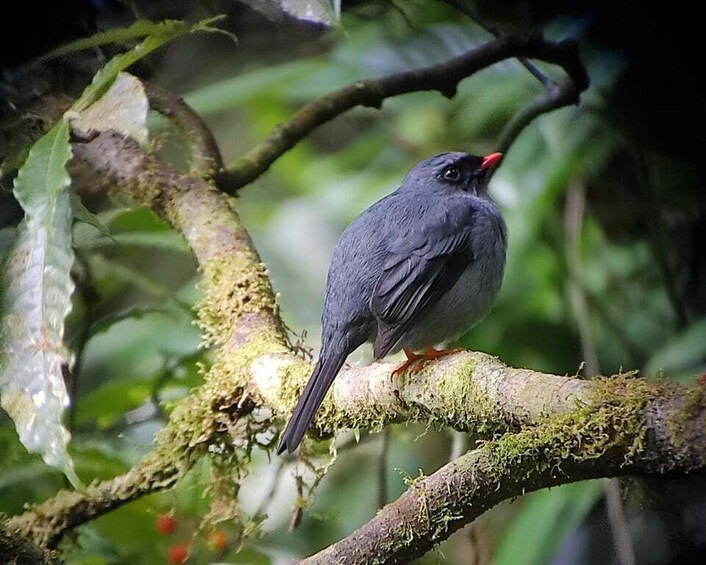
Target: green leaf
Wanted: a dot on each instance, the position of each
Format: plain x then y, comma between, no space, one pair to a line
140,28
544,521
160,34
36,298
112,400
83,214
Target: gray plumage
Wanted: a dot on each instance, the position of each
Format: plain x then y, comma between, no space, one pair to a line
419,267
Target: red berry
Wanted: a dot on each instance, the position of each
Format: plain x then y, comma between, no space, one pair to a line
218,540
178,553
165,524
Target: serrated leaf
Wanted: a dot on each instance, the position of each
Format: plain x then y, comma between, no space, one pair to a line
122,108
36,298
162,33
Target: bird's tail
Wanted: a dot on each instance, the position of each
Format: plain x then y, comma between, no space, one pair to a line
327,367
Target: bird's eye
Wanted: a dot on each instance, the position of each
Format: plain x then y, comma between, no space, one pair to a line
452,173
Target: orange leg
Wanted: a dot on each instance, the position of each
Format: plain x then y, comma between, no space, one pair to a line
415,361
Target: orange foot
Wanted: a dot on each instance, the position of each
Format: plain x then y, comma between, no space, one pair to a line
415,361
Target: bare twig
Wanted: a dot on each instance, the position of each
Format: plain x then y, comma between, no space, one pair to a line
469,12
564,94
442,77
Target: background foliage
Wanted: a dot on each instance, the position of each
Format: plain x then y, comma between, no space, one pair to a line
606,268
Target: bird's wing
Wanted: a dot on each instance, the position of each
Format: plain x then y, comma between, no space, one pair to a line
417,271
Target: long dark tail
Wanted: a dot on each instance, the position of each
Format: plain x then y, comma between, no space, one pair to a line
327,367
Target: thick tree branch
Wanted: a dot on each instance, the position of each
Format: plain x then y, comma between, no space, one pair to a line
468,391
622,430
443,77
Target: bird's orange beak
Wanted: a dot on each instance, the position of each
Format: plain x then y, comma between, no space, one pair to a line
491,160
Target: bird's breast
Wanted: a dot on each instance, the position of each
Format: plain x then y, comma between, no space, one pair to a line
473,295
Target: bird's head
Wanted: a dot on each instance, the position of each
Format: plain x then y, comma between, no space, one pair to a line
451,172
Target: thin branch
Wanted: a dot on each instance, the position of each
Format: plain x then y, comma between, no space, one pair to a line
443,77
564,94
470,13
46,523
573,225
206,159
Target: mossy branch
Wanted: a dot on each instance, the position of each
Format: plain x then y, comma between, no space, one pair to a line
625,427
443,77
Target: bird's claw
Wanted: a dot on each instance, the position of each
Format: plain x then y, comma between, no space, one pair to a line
416,361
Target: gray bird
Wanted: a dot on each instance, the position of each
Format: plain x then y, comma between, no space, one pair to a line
418,268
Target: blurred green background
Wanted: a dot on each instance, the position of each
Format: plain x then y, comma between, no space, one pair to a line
606,270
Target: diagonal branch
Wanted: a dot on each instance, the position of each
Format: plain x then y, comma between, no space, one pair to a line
556,95
443,77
